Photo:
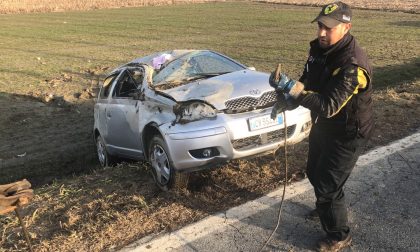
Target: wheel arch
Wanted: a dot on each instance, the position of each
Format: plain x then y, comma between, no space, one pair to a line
149,131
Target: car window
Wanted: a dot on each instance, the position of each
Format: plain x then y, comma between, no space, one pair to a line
129,81
106,86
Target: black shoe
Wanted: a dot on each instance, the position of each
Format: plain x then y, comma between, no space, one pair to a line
330,245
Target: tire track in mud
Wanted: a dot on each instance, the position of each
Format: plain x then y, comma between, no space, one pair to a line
43,141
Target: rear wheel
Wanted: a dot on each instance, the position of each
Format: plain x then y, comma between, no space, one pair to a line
165,176
104,158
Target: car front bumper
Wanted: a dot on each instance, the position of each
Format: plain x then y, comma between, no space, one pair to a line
229,137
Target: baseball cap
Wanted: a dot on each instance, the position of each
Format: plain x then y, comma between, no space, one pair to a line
333,14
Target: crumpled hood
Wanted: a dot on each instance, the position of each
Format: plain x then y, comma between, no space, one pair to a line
217,90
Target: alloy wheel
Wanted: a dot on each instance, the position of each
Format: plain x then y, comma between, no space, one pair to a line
101,151
160,163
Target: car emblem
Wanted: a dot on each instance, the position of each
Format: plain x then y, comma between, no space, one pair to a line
254,91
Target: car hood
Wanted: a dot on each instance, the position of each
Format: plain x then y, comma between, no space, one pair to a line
217,90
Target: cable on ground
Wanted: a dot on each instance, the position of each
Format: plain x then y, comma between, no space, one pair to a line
284,184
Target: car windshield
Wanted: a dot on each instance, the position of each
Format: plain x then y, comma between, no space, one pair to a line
193,66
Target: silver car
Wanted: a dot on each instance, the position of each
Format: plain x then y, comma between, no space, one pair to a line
186,110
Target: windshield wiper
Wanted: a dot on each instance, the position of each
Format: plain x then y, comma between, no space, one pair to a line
203,75
174,83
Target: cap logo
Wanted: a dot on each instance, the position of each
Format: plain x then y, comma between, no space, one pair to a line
347,18
330,8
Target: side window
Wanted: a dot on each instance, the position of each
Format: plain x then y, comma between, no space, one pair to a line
107,86
127,83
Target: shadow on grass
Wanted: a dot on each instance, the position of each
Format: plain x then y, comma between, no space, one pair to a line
394,75
412,23
43,141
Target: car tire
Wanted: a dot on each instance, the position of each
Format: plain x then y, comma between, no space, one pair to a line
104,158
164,174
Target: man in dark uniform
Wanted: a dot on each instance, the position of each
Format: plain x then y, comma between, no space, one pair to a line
336,86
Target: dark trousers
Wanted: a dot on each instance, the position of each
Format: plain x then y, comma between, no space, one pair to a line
331,159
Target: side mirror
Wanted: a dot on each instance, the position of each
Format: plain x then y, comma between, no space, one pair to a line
251,68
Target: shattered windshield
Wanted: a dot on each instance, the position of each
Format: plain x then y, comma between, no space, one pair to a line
192,66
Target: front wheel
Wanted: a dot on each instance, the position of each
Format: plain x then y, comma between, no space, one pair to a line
165,176
104,158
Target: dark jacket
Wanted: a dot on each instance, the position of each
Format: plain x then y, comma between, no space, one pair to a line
338,88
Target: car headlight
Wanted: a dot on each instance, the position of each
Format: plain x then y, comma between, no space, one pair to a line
193,111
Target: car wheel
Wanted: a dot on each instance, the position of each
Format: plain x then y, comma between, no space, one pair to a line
104,158
165,176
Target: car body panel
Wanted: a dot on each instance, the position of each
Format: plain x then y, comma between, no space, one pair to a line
123,135
219,89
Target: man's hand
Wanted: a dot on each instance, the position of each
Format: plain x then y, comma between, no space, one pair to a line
279,107
283,85
284,102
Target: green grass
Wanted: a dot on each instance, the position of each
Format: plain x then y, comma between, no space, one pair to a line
37,47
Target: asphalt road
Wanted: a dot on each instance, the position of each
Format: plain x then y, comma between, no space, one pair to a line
383,195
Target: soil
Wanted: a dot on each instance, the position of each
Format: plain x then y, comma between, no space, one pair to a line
48,139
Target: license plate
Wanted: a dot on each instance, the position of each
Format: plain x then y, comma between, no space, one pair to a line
264,121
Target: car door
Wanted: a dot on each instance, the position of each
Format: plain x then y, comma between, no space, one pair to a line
101,105
122,113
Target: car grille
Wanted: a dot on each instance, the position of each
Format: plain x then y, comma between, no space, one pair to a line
266,138
249,103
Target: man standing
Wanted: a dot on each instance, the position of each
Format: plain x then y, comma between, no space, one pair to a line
336,86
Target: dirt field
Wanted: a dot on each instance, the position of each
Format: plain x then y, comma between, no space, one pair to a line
104,209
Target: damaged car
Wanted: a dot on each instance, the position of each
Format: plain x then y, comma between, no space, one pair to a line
188,110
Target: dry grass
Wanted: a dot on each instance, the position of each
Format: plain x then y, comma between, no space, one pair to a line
25,6
396,112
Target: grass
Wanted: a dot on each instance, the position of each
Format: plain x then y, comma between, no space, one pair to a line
63,53
40,47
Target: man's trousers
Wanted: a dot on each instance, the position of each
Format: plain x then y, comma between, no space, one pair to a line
331,159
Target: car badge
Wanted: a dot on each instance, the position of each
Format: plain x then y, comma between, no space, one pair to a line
254,92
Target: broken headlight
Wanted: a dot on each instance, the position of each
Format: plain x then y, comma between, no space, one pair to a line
193,111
